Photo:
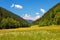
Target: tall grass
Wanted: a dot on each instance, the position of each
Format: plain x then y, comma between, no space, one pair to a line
30,35
33,33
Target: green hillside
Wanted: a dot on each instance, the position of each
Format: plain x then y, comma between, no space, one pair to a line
51,17
11,20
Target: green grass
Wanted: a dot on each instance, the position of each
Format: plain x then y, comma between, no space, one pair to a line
34,33
30,35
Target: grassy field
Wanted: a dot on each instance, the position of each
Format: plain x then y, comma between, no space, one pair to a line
34,33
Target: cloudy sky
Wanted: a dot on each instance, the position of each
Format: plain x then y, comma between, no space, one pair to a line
28,9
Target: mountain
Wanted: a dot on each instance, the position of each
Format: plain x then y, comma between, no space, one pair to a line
11,20
30,21
51,17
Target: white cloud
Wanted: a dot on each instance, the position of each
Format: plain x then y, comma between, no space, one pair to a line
37,13
37,17
17,6
12,5
42,10
28,17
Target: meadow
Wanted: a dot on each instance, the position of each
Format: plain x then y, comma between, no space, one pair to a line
34,33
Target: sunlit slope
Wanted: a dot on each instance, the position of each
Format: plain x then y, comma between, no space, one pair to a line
51,17
36,27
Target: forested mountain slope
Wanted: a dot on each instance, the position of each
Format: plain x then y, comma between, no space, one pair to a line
51,17
11,20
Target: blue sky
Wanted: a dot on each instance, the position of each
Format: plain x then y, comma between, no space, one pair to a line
28,9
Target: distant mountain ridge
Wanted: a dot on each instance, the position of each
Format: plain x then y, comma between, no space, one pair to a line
51,17
6,15
30,21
